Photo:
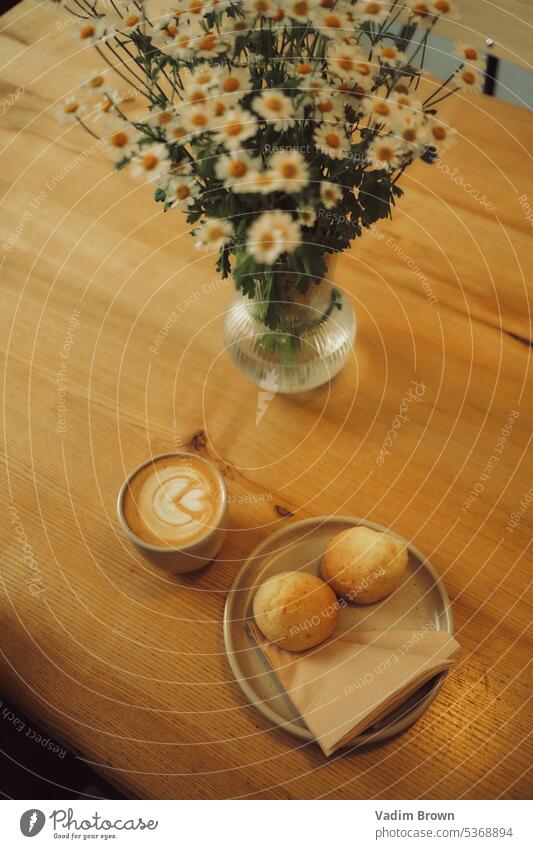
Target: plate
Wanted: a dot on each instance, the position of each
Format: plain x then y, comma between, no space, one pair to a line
420,601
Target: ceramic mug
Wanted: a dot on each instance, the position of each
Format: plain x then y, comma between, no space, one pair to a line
197,554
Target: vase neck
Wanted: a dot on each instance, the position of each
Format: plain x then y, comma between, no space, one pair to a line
296,310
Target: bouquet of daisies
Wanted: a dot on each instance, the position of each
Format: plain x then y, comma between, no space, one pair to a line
280,129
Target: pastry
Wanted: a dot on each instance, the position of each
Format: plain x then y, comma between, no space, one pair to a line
295,610
363,566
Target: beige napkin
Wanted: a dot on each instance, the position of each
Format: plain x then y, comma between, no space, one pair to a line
346,684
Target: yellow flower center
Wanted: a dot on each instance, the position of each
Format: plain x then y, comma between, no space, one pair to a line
301,8
439,133
208,42
333,140
69,108
231,84
132,20
386,154
199,120
372,8
238,168
97,81
118,138
289,171
382,109
274,103
469,77
165,118
443,7
182,192
333,21
471,53
422,10
304,68
87,31
234,129
346,63
388,52
149,161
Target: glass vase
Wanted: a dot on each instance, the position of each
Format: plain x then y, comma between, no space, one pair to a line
306,341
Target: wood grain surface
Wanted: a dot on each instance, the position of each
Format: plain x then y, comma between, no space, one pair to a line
509,24
112,331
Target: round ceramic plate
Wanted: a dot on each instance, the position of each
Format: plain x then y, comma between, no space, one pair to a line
419,601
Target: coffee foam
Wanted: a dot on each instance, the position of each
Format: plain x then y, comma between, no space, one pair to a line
172,502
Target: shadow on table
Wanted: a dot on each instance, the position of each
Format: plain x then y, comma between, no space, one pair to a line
34,765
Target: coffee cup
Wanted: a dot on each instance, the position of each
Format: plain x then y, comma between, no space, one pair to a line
174,509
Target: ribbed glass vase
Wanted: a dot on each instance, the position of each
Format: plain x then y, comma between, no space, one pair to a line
306,344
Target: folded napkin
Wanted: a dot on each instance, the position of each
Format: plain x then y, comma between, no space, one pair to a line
355,678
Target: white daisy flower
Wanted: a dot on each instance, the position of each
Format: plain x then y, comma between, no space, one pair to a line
276,108
389,55
329,108
94,30
272,234
236,169
445,9
302,69
161,118
95,82
374,11
204,76
468,79
121,140
176,132
380,110
266,8
468,54
415,135
181,190
234,83
209,45
421,13
332,140
440,135
409,109
151,163
196,118
214,234
330,194
131,19
237,126
332,23
181,45
307,216
386,152
70,110
301,10
346,61
105,105
290,170
165,31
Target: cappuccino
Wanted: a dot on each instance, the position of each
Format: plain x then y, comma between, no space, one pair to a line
173,502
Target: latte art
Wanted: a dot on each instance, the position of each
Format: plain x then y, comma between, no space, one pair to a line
172,502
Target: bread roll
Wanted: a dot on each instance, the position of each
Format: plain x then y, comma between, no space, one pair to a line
295,610
363,565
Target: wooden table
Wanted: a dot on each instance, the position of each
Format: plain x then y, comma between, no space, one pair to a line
126,664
